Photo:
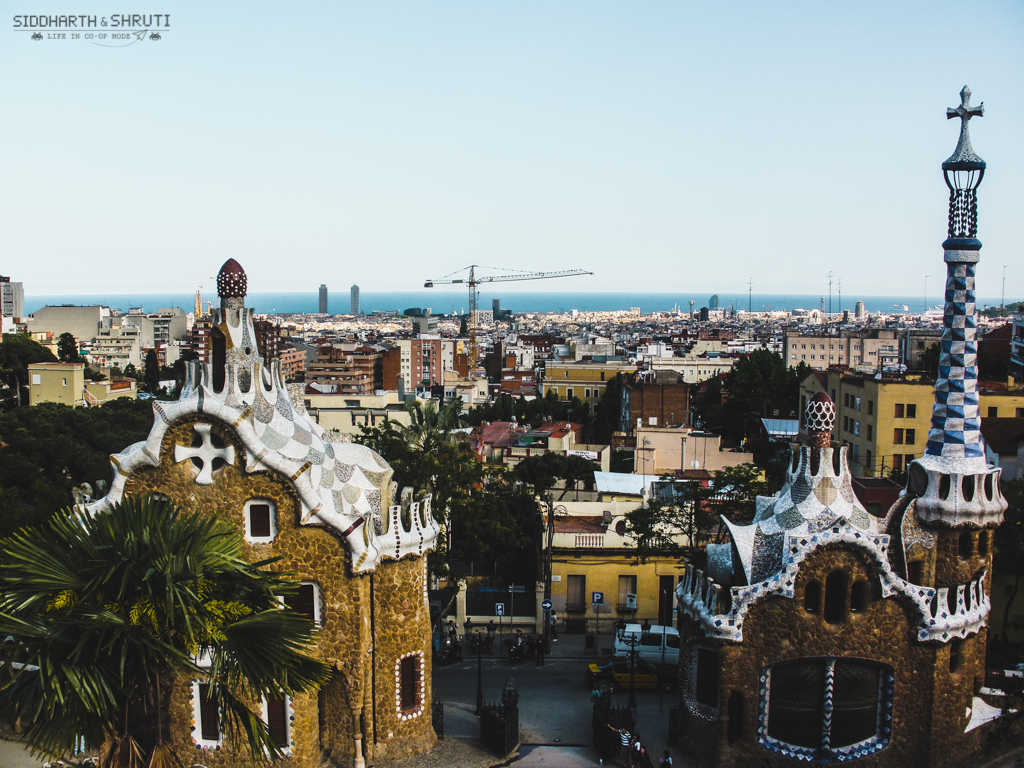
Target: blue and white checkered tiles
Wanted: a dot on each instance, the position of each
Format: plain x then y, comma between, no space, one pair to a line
956,419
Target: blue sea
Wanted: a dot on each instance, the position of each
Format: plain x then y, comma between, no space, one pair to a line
445,302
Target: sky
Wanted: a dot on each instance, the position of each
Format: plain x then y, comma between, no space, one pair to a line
661,145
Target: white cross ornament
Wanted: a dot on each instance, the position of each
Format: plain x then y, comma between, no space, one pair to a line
206,453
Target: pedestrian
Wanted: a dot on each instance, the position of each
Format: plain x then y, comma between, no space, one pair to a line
453,633
554,626
666,760
490,627
540,650
625,743
636,750
467,627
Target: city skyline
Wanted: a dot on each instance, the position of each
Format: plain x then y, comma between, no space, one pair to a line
709,146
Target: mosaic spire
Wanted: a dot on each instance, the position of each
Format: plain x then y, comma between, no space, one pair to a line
953,481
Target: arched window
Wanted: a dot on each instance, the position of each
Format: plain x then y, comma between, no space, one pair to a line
812,597
983,543
835,597
860,596
795,697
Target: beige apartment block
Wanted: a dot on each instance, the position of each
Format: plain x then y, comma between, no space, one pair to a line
872,349
694,370
347,413
56,383
666,450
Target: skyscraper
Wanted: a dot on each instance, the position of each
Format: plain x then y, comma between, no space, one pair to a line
496,306
713,302
323,298
355,300
12,298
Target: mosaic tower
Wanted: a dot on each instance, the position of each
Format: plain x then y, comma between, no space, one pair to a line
953,481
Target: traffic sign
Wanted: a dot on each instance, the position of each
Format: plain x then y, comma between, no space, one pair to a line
499,609
515,588
597,599
546,605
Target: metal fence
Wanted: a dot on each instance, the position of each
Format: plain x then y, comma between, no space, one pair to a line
499,721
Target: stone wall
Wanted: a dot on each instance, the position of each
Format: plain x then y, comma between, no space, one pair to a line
323,721
929,702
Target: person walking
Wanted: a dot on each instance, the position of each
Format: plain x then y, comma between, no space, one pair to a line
625,742
554,626
666,760
636,751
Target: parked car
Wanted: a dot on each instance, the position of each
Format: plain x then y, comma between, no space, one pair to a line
615,674
658,644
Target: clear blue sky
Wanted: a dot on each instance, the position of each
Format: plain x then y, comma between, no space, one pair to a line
662,145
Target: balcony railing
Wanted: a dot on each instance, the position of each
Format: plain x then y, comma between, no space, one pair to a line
589,540
625,608
575,607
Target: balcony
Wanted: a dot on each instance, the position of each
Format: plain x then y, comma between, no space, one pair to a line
575,607
589,540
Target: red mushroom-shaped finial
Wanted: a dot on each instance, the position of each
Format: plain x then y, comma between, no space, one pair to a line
231,280
820,416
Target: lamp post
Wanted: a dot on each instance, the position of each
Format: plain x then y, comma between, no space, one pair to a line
632,640
479,678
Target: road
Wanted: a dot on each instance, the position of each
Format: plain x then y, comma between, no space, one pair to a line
554,700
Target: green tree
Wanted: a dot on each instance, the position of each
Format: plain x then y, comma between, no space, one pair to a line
930,361
151,376
113,610
67,348
17,352
608,412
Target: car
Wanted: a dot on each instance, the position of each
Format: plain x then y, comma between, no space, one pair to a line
616,673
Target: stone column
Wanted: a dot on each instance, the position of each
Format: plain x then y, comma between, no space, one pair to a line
357,735
460,605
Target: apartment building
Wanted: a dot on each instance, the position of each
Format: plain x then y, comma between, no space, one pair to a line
694,370
65,383
81,322
885,422
584,379
419,362
347,413
158,328
357,371
663,401
874,349
12,298
120,346
293,362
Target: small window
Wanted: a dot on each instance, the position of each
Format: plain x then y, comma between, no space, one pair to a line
706,691
915,572
867,456
856,403
260,521
993,412
277,719
871,407
410,683
835,597
205,715
63,382
859,597
954,656
910,436
602,375
846,399
983,544
870,431
306,601
897,436
37,378
966,545
899,410
911,411
812,597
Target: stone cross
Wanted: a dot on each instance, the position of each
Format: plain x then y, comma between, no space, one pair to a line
206,453
965,111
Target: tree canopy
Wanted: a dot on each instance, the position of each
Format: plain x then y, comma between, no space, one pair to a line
17,352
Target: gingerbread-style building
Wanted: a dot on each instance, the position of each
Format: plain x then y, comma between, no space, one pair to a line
238,445
822,633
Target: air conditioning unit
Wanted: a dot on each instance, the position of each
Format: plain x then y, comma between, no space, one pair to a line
630,601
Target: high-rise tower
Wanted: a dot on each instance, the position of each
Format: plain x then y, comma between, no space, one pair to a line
323,298
355,300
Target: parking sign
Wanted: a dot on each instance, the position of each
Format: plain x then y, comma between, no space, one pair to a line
597,599
499,609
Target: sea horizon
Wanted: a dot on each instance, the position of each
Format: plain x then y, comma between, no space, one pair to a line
447,302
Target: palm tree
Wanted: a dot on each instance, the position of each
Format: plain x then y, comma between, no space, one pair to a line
111,611
429,426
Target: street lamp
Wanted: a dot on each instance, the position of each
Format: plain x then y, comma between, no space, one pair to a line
632,640
479,677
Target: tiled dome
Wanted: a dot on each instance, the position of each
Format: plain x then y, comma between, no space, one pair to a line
231,280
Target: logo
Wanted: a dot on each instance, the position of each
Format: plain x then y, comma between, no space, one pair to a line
115,31
37,36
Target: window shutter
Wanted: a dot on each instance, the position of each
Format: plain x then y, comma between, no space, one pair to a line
208,720
259,520
303,601
410,681
277,721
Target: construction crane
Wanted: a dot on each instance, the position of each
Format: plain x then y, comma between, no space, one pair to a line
473,281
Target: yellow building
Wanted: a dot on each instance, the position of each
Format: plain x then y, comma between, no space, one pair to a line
56,383
885,422
591,553
585,379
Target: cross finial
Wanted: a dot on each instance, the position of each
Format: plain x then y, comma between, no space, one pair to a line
964,157
965,111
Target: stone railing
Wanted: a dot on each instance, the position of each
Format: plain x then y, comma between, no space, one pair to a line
589,540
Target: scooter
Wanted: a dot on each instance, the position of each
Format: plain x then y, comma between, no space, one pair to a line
523,650
482,641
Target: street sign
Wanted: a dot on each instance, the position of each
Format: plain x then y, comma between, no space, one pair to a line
597,599
546,605
499,609
516,588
